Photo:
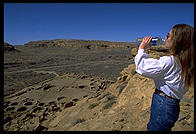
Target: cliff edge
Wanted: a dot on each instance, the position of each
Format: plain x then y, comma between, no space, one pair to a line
123,106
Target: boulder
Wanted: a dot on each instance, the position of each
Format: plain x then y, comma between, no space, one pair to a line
8,47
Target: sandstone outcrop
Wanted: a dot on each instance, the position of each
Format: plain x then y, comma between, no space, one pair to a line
124,106
8,47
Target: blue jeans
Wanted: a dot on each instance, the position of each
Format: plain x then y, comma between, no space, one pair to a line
164,113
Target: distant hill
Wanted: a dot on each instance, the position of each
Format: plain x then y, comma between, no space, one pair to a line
80,43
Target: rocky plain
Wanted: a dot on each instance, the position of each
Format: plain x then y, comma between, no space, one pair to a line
80,85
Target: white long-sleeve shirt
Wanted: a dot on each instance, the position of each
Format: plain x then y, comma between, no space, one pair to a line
165,72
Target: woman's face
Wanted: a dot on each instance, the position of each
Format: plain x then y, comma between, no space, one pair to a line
168,42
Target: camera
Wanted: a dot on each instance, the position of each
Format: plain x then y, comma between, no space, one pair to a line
154,42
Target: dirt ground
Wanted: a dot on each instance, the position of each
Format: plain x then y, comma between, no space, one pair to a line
20,67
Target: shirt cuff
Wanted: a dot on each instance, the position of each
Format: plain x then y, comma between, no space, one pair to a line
140,50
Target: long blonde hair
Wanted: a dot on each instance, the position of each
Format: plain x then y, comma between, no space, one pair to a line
183,49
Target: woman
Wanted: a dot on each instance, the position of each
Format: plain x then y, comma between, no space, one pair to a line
172,75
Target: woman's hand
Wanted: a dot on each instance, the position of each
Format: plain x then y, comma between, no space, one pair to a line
145,42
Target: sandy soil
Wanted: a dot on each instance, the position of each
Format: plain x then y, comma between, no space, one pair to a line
20,67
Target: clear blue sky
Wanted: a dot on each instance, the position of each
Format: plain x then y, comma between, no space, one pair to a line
122,22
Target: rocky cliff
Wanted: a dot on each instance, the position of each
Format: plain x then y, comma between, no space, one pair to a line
9,47
125,105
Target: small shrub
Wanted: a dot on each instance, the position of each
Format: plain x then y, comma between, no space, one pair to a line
110,101
109,104
101,97
110,98
78,121
122,86
93,105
